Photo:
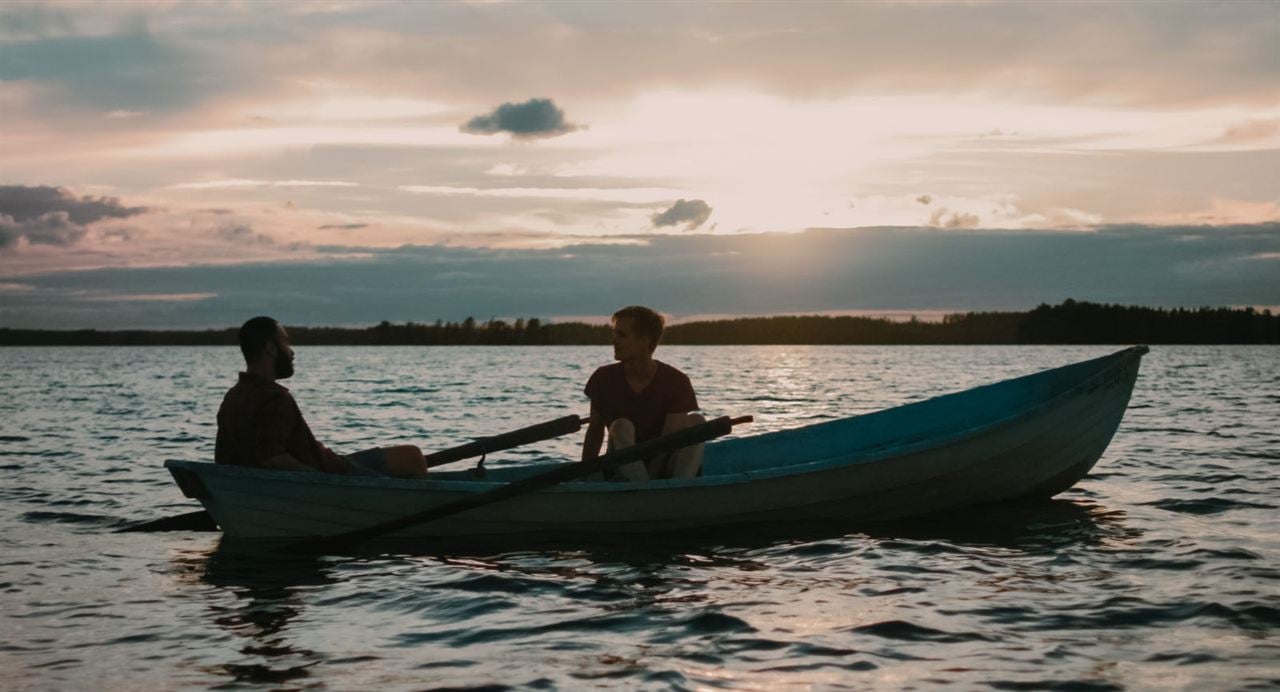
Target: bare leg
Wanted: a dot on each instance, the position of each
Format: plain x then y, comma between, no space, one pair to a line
405,461
622,434
684,462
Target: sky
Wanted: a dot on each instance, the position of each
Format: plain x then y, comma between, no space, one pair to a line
177,164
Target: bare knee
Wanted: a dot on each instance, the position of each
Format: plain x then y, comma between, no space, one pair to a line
622,433
405,461
622,426
405,451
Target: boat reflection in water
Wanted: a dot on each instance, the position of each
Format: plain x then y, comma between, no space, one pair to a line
294,618
257,598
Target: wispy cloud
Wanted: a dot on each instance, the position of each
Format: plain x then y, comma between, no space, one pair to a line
631,195
1261,130
149,297
248,183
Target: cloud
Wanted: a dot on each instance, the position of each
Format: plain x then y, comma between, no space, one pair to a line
242,183
243,235
945,219
167,57
924,199
53,215
1154,52
535,118
636,195
693,213
813,271
129,71
149,297
34,22
1260,130
342,226
25,203
53,228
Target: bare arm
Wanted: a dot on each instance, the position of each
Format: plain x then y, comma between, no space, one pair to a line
594,438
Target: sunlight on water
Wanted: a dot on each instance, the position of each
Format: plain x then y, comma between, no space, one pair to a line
1158,570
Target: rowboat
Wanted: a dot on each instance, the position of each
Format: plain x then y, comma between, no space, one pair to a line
1023,438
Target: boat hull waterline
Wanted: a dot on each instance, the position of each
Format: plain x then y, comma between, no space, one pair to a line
1024,438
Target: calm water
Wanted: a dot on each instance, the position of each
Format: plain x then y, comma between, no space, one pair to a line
1160,570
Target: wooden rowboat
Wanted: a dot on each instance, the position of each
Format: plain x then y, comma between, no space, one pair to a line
1023,438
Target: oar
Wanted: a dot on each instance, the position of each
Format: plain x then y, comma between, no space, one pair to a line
510,440
676,440
201,521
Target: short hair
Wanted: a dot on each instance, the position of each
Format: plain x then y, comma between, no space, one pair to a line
254,336
646,322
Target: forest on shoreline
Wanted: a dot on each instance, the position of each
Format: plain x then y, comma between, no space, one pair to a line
1070,322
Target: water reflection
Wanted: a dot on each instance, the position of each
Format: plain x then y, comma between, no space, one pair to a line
267,599
712,591
1039,526
1030,526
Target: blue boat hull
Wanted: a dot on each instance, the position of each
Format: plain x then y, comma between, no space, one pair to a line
1028,437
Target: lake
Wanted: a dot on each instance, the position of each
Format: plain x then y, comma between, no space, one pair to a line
1161,569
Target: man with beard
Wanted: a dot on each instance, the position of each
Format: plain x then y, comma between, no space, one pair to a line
639,398
259,423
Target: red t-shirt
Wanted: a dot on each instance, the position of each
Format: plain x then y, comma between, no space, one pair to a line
259,419
668,392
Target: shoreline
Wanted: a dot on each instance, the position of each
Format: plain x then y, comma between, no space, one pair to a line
1069,323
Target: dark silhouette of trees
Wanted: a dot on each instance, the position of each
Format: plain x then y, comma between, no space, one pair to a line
1069,323
973,328
1092,323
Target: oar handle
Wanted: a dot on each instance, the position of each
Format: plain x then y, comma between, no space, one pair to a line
681,438
515,438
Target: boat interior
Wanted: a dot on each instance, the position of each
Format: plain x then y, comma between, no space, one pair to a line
871,435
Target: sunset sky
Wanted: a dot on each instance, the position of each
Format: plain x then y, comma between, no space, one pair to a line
183,164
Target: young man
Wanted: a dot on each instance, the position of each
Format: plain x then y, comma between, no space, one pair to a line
259,423
639,398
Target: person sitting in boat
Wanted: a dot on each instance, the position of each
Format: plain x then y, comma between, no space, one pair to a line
639,398
260,424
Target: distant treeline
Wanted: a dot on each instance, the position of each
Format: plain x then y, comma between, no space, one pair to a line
1069,323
